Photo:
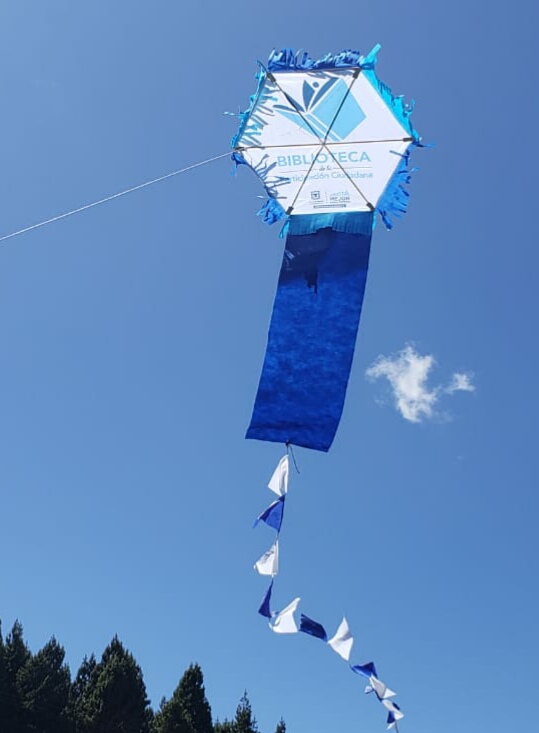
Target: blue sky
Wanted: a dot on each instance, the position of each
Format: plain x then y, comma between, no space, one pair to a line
132,337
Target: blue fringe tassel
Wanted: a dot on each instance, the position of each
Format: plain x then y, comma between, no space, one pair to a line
271,212
287,60
394,200
357,222
246,117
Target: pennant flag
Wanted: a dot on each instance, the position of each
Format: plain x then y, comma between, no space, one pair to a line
264,609
308,626
342,641
394,713
284,622
366,670
273,515
377,686
269,562
278,483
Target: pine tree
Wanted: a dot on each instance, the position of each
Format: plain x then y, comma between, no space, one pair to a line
170,719
43,685
245,722
112,694
83,679
188,709
192,697
227,726
16,655
3,684
37,696
80,694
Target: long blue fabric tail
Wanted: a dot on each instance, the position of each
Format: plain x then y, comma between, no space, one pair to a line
312,335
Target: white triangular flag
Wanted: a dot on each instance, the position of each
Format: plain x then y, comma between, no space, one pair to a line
382,691
342,641
284,622
278,483
269,562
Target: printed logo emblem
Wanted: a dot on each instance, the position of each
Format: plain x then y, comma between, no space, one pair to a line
341,197
315,195
325,106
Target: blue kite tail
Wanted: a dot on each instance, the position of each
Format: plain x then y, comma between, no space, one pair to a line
312,332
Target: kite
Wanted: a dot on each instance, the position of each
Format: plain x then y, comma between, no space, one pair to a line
330,144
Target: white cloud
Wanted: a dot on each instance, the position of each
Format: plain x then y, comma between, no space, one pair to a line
461,382
408,373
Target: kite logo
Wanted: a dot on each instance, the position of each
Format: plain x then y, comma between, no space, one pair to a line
328,111
341,197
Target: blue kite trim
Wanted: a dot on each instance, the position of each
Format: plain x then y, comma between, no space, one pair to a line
394,200
251,126
249,123
264,171
288,60
272,212
355,223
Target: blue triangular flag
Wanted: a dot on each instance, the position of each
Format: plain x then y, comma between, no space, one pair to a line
264,609
366,670
308,626
273,515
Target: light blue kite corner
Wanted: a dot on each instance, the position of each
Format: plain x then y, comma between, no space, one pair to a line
271,212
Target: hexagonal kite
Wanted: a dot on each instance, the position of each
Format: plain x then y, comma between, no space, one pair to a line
330,144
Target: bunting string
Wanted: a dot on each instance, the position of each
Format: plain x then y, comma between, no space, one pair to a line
284,621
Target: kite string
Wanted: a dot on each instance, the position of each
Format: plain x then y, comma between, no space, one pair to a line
112,196
290,451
